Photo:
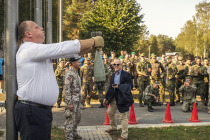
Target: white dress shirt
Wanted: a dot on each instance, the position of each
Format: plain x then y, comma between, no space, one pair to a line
35,75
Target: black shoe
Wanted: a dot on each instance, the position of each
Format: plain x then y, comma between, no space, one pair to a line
150,109
141,105
58,106
101,106
172,104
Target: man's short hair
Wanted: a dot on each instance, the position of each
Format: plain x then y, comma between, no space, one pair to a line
22,29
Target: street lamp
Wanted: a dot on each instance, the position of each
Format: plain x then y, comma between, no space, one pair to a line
149,51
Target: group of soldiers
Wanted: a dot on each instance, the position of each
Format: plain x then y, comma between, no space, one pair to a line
171,72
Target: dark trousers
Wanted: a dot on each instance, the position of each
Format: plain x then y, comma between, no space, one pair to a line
33,123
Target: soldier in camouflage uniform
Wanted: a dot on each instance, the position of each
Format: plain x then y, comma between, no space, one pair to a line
151,96
60,73
209,89
144,70
86,74
194,61
198,72
171,72
189,67
72,98
108,72
188,91
182,70
157,76
176,59
206,80
133,72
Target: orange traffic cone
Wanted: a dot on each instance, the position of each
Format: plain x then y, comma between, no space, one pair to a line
194,117
168,115
132,117
107,117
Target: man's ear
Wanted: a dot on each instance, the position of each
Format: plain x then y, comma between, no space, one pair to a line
28,34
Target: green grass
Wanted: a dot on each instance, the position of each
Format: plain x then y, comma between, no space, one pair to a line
169,133
1,133
57,134
164,133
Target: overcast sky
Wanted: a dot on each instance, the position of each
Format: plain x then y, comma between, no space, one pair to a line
167,17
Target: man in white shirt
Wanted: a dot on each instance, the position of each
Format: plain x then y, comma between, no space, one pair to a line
37,86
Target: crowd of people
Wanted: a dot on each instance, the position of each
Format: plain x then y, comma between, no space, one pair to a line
38,89
170,73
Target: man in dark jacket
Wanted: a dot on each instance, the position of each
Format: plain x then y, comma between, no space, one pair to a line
119,97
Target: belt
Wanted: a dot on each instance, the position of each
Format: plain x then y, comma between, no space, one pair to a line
35,104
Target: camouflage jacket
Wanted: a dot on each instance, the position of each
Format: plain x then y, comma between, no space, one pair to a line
171,70
86,73
198,73
206,77
182,71
60,73
188,91
107,71
142,68
72,87
156,67
189,69
125,67
149,90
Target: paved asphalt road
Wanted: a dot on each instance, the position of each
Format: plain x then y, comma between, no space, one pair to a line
96,116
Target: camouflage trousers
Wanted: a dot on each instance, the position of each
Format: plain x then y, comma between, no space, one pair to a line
188,104
87,89
60,95
201,91
106,86
143,82
150,100
206,94
171,88
100,89
178,84
72,120
161,87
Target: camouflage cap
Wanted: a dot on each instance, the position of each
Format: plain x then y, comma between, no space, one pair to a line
75,58
180,58
157,83
189,77
142,55
61,60
153,55
169,57
121,57
133,53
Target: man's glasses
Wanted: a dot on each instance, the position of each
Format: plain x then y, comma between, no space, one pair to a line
116,64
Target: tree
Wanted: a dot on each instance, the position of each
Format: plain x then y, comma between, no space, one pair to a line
165,44
119,21
154,45
72,15
195,35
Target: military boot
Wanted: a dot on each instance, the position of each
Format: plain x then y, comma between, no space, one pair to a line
150,109
77,137
101,106
87,105
141,104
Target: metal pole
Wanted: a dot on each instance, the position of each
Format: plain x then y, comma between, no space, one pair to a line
38,12
11,79
60,20
149,51
49,22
